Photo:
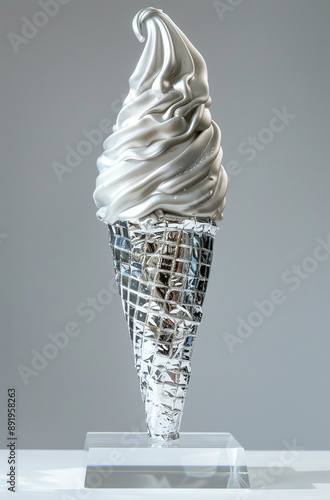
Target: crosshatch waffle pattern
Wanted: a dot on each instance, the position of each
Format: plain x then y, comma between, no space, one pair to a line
162,269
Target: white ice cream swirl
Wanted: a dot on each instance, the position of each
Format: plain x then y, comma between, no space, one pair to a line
164,152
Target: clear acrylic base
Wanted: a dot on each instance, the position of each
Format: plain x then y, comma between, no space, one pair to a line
195,460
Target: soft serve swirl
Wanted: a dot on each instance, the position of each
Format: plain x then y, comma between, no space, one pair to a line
164,152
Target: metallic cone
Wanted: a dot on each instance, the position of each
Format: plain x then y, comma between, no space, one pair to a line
162,265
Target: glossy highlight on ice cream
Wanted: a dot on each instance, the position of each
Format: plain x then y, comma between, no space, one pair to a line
164,152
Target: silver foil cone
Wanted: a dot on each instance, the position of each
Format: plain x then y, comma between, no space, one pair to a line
162,265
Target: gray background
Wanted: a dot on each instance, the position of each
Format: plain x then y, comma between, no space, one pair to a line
273,389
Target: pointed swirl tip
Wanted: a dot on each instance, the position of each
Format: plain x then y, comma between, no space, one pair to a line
141,17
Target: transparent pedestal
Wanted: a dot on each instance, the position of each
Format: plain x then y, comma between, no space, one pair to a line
195,460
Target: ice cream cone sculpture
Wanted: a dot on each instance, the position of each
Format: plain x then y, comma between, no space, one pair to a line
161,188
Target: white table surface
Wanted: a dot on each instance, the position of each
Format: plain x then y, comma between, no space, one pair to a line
280,475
